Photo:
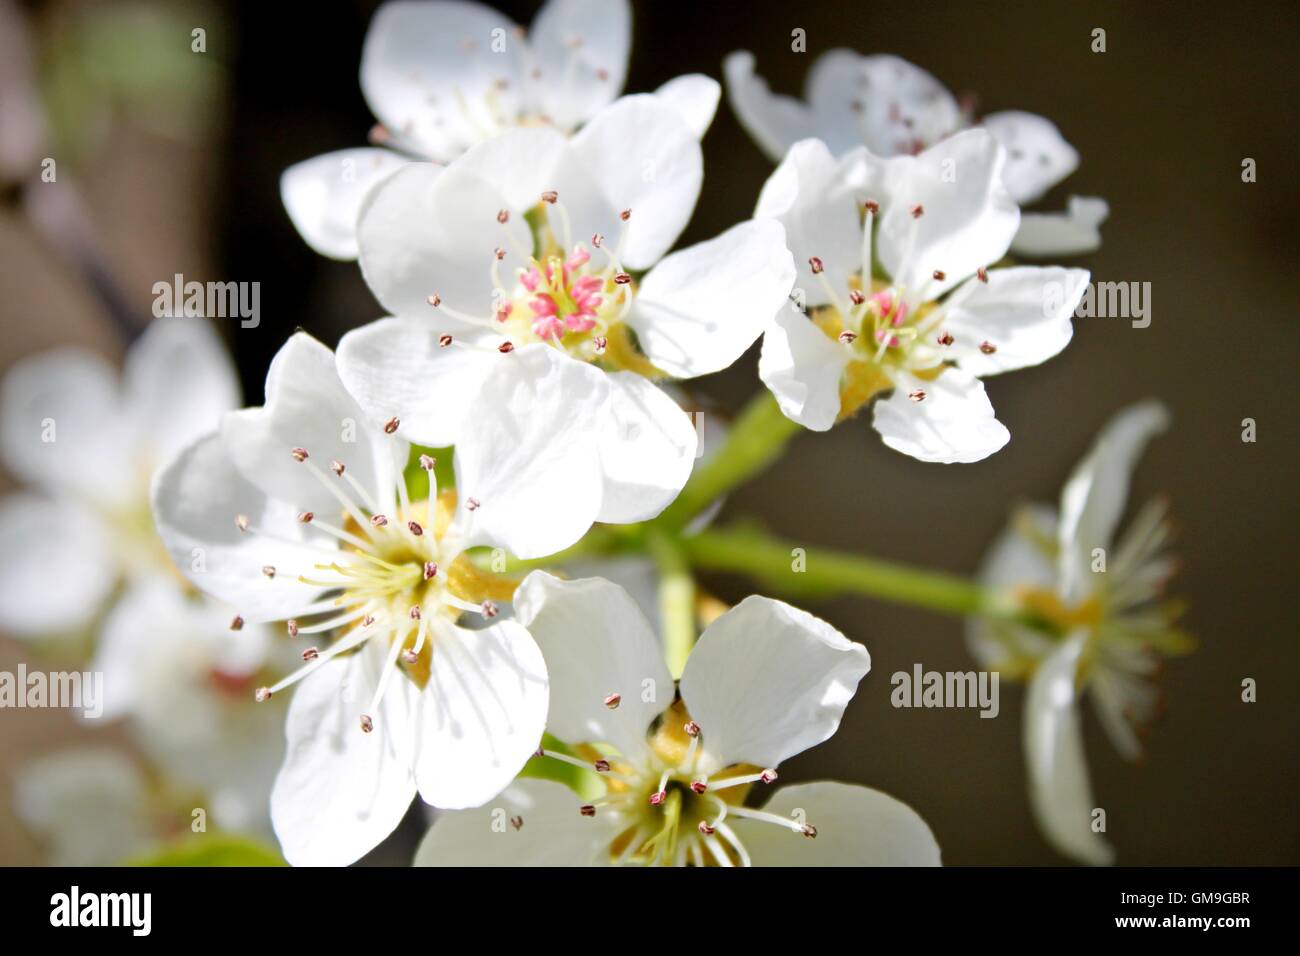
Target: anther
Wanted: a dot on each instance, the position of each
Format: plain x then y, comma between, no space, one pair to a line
338,467
809,831
768,775
415,612
945,338
367,620
613,700
622,278
982,274
292,627
517,822
597,239
816,265
430,570
550,196
625,215
378,521
658,798
489,609
706,828
367,724
601,344
847,337
241,522
988,348
268,570
310,654
871,206
410,656
427,462
444,340
917,211
587,810
692,728
939,275
472,504
390,426
499,253
299,454
262,695
236,623
699,786
917,395
505,348
306,516
856,296
602,766
434,300
414,528
503,216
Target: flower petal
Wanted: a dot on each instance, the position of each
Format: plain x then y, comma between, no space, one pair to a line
1094,498
308,407
57,565
775,121
1024,312
1069,233
954,422
1038,157
481,714
581,47
903,107
396,367
694,97
534,461
196,498
1059,787
647,450
856,826
699,309
437,74
967,216
596,642
551,831
323,196
342,791
767,681
810,194
426,230
179,381
644,156
803,368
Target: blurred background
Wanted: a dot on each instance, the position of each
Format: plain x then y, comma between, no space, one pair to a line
176,157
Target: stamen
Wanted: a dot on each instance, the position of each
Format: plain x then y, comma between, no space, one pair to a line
613,700
236,623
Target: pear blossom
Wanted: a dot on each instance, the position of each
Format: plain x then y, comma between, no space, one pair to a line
674,767
300,512
1100,623
85,442
918,339
895,108
531,241
444,76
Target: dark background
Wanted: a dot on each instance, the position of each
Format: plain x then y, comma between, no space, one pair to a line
1163,120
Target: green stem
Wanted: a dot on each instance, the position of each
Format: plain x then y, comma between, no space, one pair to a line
785,566
676,599
753,442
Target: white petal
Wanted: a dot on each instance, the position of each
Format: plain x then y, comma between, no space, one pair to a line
427,230
767,681
481,714
903,106
196,498
635,574
342,791
645,157
699,309
439,74
953,423
57,565
1015,560
1023,312
1059,787
323,196
581,48
810,194
1038,157
1094,498
64,426
179,382
551,833
308,407
775,121
1069,233
968,217
694,97
647,450
596,642
803,368
395,367
856,826
534,462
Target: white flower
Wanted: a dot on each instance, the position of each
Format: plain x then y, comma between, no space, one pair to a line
1097,602
895,108
298,510
940,320
86,443
450,253
442,77
172,665
765,682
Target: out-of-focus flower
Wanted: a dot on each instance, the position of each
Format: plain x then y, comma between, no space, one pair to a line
442,77
302,513
766,681
1099,619
86,442
933,222
897,109
450,253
